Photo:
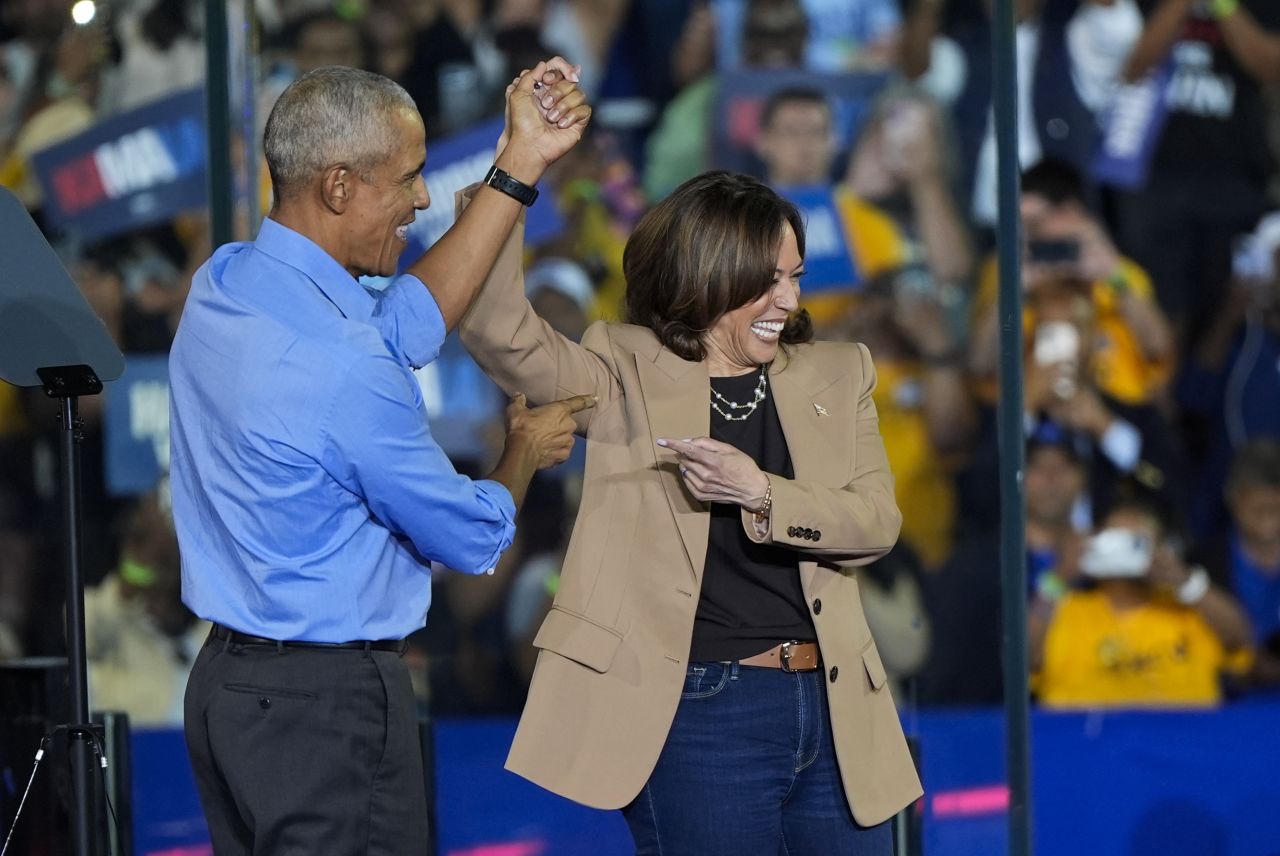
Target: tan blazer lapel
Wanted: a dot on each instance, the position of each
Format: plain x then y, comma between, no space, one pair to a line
677,402
818,422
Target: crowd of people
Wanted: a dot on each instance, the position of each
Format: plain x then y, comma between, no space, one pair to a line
1151,287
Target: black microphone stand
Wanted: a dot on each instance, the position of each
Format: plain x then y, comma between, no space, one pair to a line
50,338
68,383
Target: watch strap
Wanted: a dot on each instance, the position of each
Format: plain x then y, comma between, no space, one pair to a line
503,181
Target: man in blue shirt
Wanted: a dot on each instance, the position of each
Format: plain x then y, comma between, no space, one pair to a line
308,494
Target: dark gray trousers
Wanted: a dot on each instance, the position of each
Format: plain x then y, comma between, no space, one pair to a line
306,751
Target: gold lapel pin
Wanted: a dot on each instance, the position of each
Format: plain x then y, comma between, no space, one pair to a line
822,411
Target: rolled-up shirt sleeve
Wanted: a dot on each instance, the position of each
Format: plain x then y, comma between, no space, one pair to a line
410,322
379,447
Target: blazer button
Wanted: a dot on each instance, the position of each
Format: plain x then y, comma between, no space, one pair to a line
834,673
817,605
808,533
817,534
791,531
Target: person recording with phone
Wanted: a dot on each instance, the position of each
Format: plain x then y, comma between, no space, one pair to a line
1130,624
1068,248
1231,385
1099,352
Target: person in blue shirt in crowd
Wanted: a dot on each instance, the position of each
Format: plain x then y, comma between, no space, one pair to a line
1245,558
308,495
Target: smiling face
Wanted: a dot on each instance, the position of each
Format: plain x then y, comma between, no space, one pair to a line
384,203
743,339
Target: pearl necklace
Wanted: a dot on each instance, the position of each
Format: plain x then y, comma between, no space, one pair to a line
750,407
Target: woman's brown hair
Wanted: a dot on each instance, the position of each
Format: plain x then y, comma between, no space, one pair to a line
709,247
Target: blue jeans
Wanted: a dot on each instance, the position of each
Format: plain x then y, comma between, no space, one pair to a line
749,770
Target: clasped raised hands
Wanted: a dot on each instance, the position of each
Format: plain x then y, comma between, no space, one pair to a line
546,115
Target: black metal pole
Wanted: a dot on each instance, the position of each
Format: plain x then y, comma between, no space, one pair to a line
1012,436
78,739
218,111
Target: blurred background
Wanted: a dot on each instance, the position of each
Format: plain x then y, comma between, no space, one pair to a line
1151,225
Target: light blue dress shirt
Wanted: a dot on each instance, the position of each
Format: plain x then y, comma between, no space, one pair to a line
308,494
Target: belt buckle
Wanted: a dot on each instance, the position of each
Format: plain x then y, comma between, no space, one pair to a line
784,656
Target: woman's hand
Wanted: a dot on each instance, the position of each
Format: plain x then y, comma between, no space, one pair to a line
552,116
717,472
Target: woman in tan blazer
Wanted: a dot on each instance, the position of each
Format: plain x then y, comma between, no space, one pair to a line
706,666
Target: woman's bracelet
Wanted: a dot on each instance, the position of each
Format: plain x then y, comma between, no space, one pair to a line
761,514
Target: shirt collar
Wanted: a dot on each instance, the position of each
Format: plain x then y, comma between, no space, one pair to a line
305,255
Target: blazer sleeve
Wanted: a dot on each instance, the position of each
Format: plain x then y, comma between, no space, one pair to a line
520,351
849,526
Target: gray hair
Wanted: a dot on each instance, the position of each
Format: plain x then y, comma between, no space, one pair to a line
329,116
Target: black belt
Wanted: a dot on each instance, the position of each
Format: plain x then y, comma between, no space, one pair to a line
235,637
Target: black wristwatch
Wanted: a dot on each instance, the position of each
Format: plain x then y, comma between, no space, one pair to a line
515,188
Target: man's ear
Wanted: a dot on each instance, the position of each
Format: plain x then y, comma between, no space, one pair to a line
337,185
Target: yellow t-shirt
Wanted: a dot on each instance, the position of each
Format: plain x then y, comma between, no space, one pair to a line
924,489
1162,654
1117,364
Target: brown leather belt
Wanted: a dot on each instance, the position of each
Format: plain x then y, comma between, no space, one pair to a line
789,657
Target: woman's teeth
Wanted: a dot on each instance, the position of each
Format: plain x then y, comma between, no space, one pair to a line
402,232
768,330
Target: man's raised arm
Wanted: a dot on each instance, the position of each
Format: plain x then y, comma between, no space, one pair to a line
546,116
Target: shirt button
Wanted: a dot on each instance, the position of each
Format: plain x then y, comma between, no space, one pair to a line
834,673
264,702
817,605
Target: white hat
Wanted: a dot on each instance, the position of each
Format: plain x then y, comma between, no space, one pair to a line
562,275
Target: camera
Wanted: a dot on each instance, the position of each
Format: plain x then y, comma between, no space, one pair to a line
1054,251
1117,554
1056,342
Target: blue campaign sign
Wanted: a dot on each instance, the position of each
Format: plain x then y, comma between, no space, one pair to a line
1131,130
129,171
828,259
460,160
136,426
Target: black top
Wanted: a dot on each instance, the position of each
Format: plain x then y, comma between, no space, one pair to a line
751,598
1217,112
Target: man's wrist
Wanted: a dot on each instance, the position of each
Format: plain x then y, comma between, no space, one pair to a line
502,181
522,450
524,167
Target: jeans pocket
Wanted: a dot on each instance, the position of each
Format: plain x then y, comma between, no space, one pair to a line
703,680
